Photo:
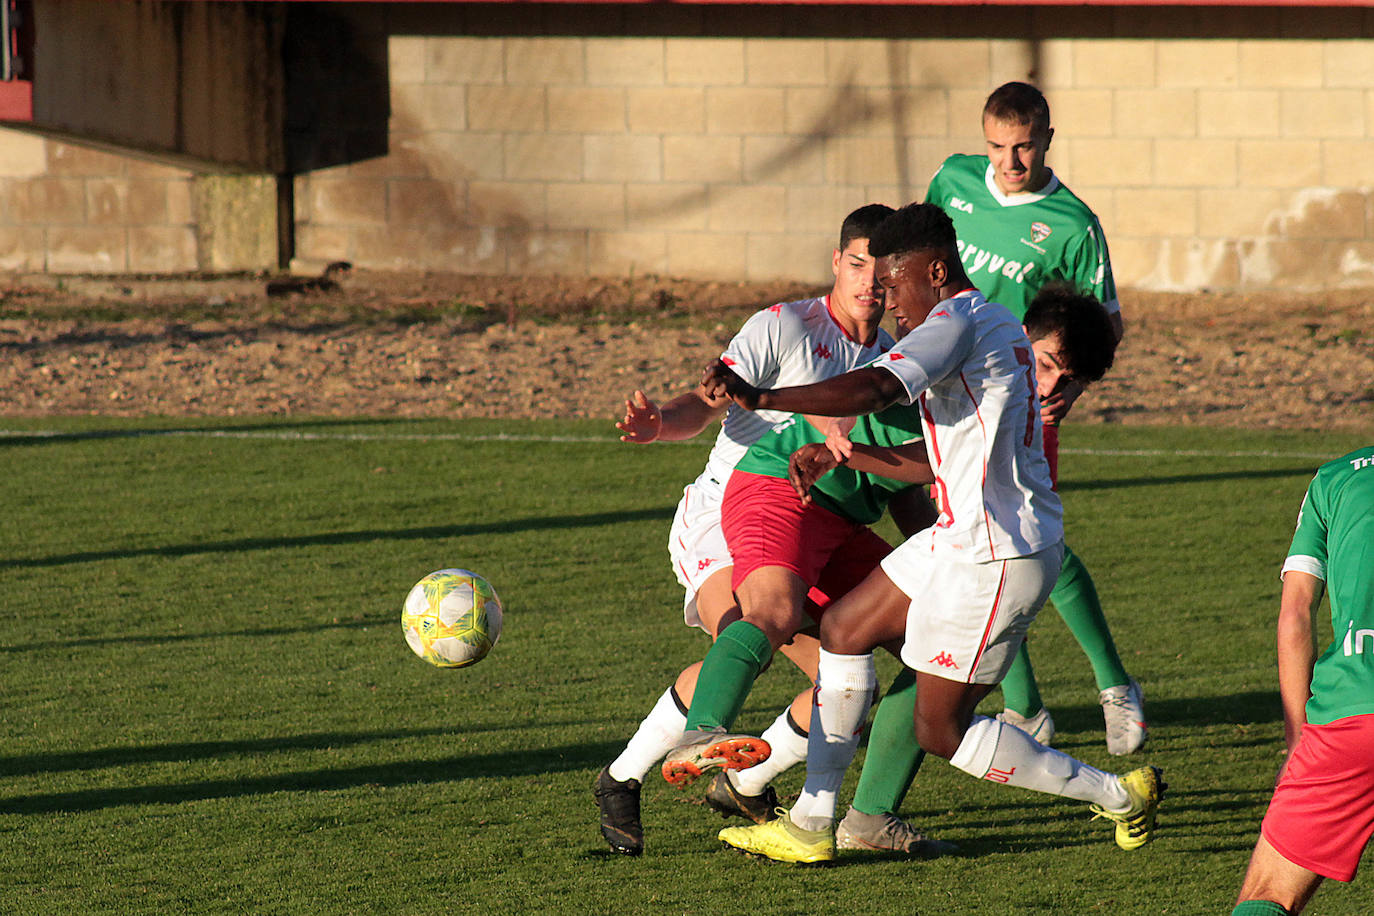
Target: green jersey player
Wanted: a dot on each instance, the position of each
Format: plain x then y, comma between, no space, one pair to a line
1322,814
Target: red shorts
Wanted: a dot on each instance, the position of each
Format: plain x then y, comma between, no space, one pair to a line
765,524
1050,436
1322,814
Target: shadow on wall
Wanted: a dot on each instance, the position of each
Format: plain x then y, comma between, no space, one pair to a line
336,84
1313,240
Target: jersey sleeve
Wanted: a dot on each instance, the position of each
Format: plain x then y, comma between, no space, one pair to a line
758,350
1307,553
929,352
938,191
1088,266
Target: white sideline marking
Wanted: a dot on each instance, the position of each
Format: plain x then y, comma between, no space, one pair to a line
287,435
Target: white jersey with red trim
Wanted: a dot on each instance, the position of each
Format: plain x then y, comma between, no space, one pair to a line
970,368
791,343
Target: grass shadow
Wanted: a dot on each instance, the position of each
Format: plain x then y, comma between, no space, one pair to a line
542,523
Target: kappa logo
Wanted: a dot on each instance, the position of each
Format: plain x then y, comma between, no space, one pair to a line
944,660
702,564
776,309
959,203
822,351
1039,232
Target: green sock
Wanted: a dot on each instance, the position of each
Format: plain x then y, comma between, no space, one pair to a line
1075,598
740,652
893,754
1258,908
1020,693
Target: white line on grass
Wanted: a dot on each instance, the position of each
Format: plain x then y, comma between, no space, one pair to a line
287,435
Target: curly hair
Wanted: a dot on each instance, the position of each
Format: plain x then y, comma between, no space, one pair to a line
915,227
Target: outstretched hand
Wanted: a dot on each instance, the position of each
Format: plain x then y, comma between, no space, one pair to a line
719,380
807,465
643,420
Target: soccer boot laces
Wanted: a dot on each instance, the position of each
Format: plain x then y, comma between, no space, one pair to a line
1136,826
887,833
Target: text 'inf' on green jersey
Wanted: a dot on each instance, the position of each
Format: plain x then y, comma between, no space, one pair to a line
1013,245
1334,541
853,495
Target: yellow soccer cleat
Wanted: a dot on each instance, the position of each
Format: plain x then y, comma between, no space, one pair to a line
783,841
1136,826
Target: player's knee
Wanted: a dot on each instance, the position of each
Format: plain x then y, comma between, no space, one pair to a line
779,623
939,735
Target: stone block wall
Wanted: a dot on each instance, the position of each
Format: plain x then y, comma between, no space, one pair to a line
67,208
1224,148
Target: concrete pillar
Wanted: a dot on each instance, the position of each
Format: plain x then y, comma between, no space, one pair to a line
236,222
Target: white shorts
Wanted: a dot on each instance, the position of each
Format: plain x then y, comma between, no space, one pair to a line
967,620
696,544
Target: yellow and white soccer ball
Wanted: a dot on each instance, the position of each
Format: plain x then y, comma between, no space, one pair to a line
452,618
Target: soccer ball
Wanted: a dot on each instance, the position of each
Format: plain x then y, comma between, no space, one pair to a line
452,618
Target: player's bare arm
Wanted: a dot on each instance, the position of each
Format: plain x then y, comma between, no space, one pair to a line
682,417
858,392
1297,648
811,462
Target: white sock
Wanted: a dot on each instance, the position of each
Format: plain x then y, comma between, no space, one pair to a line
658,734
1002,753
844,691
789,749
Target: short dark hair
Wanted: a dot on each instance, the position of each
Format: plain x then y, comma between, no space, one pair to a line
1018,103
861,223
915,227
1086,334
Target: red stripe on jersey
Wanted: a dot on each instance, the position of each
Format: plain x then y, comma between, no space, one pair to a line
843,330
941,490
992,616
983,478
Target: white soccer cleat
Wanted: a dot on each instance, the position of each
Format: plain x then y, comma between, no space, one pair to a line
1123,709
1039,726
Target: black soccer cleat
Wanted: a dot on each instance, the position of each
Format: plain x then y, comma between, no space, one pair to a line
619,804
731,802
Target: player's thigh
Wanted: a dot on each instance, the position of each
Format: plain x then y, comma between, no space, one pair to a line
773,599
869,615
715,602
1272,877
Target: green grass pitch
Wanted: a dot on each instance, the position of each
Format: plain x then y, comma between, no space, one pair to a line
208,706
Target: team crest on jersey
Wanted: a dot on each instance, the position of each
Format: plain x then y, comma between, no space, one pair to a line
1039,232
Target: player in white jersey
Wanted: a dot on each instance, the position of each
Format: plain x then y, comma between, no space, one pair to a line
786,344
959,596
